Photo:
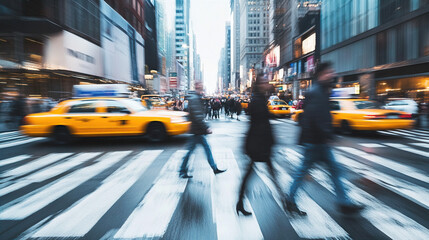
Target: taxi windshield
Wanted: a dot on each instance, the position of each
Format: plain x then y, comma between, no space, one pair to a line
136,105
366,105
278,102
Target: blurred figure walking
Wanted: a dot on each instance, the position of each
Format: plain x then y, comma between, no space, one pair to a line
199,129
316,133
18,111
259,140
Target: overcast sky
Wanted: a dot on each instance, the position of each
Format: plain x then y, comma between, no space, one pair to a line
208,18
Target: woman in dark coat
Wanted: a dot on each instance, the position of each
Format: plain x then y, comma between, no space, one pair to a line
259,138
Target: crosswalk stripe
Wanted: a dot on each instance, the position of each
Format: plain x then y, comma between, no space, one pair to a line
83,215
389,221
8,133
17,143
317,224
11,137
153,214
224,197
34,201
47,173
423,145
14,159
421,131
408,149
34,165
371,145
395,166
414,133
406,134
414,193
412,138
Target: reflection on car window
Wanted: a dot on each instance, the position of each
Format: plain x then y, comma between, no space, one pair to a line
278,103
83,107
135,105
113,106
365,105
334,105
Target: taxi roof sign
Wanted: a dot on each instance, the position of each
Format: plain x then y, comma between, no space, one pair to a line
101,90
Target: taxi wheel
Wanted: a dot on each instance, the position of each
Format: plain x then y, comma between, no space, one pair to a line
156,132
345,128
61,135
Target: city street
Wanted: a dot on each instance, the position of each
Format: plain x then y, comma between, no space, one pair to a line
129,188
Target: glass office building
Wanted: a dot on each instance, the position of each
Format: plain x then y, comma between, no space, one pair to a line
381,45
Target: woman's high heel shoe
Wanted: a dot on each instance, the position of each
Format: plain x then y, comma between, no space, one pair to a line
240,208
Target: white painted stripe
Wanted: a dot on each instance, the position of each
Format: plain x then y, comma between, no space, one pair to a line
154,212
14,159
426,134
78,220
11,137
371,145
17,143
8,133
406,134
412,138
408,149
420,131
395,166
224,199
317,224
423,145
414,193
46,173
40,198
34,165
389,221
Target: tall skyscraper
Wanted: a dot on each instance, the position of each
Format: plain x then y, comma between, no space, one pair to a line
227,58
235,44
182,36
254,34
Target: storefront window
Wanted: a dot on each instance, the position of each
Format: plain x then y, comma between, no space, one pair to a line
7,49
404,88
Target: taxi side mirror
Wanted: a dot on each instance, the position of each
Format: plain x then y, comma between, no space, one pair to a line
125,111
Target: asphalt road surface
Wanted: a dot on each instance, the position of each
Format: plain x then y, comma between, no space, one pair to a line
128,188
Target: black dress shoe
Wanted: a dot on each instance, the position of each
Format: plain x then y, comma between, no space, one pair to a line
184,175
240,208
292,208
217,170
351,208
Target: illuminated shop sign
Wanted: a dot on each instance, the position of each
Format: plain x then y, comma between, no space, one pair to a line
309,44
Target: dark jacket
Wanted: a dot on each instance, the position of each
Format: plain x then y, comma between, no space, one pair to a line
197,114
259,138
316,126
237,107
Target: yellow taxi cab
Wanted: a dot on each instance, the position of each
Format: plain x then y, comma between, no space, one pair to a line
104,116
363,114
153,101
278,108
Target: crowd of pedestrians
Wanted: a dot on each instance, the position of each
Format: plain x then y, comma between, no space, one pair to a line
228,106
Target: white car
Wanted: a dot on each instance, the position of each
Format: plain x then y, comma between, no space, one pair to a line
406,105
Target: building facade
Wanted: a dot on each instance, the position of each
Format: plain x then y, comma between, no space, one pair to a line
254,36
235,44
226,84
182,44
381,46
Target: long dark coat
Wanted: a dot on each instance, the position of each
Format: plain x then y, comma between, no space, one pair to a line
259,138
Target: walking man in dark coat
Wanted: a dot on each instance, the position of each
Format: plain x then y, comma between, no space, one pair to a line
199,129
316,133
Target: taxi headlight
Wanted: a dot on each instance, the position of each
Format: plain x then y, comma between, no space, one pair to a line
178,119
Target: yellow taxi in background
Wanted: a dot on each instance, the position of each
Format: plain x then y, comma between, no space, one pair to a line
278,108
98,116
362,114
155,102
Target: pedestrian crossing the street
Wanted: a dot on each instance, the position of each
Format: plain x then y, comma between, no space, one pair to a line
43,181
